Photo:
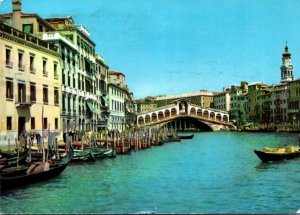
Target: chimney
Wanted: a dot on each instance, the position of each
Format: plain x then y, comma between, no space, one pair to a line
16,15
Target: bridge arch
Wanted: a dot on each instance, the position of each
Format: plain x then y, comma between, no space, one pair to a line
200,125
173,112
183,107
160,115
219,117
206,114
193,111
225,118
167,113
199,112
147,119
212,115
141,120
153,117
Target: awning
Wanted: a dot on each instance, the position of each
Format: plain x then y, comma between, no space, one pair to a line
90,106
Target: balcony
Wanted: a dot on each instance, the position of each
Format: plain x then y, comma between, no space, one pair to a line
102,121
293,110
21,67
50,36
55,76
23,101
9,31
9,64
32,70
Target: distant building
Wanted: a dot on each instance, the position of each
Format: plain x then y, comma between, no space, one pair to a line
202,98
239,103
294,102
144,105
222,100
119,100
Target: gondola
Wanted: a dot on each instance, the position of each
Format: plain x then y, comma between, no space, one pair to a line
27,175
186,136
278,154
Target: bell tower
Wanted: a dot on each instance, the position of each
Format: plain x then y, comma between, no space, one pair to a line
287,67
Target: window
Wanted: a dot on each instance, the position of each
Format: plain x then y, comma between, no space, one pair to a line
69,79
8,58
40,28
20,61
45,94
56,123
56,96
74,81
8,123
45,123
74,105
63,103
28,28
69,103
21,92
9,89
55,71
32,123
78,81
32,92
31,64
63,77
45,73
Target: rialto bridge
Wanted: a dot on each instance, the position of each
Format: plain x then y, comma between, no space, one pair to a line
182,115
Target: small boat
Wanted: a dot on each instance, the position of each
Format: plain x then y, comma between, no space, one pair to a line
85,155
37,171
278,154
186,136
100,153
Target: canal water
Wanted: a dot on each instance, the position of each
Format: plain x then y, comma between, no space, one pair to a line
215,172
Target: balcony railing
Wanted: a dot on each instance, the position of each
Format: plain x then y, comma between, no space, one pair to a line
28,37
32,70
45,73
23,101
9,64
21,67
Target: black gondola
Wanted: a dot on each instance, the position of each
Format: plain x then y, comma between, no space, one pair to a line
21,176
274,156
186,136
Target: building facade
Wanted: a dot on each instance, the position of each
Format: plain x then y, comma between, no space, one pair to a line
222,100
293,110
30,88
119,101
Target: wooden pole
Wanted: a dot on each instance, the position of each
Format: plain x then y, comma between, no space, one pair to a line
18,154
29,152
122,142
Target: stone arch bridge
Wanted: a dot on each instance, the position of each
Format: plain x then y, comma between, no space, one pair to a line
203,118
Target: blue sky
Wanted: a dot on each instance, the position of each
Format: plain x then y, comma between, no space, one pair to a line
176,46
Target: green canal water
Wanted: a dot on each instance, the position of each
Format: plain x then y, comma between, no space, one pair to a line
215,172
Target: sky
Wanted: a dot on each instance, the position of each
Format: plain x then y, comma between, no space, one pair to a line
169,47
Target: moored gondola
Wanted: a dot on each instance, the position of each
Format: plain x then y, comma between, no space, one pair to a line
38,171
186,136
